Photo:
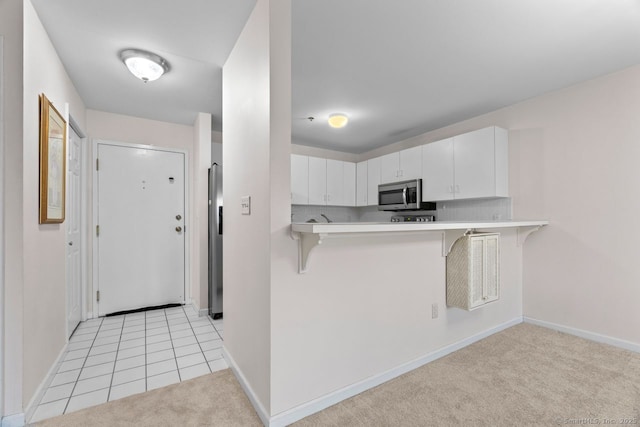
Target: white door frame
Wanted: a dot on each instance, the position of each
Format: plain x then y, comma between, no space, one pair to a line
72,124
187,216
1,231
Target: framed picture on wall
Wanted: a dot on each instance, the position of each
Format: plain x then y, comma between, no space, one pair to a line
53,159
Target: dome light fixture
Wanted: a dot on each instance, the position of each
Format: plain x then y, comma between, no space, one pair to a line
146,66
338,120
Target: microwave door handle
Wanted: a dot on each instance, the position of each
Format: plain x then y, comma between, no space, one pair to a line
404,195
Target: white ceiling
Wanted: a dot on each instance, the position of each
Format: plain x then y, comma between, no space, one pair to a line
398,68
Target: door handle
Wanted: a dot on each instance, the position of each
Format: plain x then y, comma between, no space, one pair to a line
178,229
404,195
178,217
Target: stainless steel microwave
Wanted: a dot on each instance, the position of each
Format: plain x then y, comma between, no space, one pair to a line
402,196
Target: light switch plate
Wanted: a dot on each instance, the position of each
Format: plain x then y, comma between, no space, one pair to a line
245,205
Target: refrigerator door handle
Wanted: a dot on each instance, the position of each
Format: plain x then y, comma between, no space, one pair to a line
220,220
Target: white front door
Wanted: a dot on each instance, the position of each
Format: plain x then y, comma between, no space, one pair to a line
141,220
74,264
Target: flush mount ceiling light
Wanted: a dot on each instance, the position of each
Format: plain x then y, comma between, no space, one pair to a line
338,120
144,65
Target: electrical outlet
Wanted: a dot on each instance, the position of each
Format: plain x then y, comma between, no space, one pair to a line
434,311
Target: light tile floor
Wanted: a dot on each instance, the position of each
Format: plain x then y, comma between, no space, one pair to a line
113,357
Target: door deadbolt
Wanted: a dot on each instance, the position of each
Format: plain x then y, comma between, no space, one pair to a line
178,217
178,229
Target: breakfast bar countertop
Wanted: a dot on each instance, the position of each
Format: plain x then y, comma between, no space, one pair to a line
311,234
381,227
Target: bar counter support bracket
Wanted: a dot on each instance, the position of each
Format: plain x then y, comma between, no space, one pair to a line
524,232
449,237
306,243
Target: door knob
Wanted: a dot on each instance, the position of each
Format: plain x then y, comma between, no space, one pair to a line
70,243
178,229
178,217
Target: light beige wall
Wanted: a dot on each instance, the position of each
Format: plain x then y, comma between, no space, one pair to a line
199,233
247,172
11,30
44,245
134,130
573,157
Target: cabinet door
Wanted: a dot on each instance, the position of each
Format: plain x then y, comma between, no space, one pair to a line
373,179
474,164
335,182
410,163
299,180
492,267
361,184
317,181
437,170
390,168
349,183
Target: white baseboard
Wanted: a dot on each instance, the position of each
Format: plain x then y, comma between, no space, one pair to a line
44,385
200,312
257,405
592,336
16,420
297,413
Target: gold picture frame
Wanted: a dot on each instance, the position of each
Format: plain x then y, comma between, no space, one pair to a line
53,163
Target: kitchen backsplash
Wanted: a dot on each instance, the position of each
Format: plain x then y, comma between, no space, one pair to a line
472,210
453,210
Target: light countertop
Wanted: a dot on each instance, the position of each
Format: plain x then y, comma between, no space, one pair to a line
373,227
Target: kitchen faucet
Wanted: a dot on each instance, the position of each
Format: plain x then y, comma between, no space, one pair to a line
325,217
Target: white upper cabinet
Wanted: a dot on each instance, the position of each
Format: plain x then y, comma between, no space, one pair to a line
299,179
390,168
402,165
362,190
468,166
317,181
481,164
329,182
411,163
349,184
335,183
373,179
437,170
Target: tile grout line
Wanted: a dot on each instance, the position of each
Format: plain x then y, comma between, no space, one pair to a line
82,367
199,346
145,352
113,372
175,358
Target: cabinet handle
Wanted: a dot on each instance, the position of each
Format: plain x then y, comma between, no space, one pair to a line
451,189
457,188
400,173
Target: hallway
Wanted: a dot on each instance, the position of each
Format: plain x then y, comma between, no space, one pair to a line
113,357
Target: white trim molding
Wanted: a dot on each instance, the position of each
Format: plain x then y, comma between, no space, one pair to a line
592,336
44,385
257,405
299,412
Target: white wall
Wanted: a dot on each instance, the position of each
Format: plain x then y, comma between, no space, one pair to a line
11,29
573,157
44,245
199,234
257,132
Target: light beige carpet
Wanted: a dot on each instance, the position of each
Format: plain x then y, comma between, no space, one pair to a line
525,375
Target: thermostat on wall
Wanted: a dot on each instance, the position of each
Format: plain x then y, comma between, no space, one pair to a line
245,205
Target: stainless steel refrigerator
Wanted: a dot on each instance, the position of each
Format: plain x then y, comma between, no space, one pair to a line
215,241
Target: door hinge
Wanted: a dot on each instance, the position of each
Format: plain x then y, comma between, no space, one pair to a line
98,296
97,230
97,164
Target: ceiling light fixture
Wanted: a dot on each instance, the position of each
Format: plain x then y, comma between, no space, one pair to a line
338,120
144,65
